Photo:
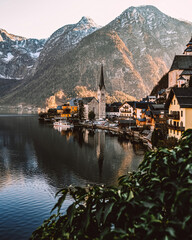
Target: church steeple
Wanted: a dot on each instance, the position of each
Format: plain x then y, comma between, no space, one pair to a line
101,96
101,84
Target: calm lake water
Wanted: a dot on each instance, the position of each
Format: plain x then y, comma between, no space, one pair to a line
36,161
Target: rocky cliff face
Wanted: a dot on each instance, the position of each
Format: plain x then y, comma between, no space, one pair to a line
65,39
18,55
136,49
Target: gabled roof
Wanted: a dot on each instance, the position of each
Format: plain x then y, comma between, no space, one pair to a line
190,42
140,105
181,78
183,95
86,100
157,106
182,62
188,49
116,104
186,72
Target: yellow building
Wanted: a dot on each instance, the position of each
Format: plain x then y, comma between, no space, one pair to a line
66,110
179,103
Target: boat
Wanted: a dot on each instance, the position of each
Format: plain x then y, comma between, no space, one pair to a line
63,124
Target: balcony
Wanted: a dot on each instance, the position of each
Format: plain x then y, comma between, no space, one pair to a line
125,111
175,115
160,125
178,128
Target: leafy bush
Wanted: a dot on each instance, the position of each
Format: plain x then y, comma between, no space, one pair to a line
170,142
153,203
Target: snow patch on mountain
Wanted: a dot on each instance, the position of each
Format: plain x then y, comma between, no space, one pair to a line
8,58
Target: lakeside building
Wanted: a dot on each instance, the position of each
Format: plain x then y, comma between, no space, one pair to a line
112,110
179,105
126,110
98,106
181,67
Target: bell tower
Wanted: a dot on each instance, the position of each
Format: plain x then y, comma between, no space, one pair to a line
101,96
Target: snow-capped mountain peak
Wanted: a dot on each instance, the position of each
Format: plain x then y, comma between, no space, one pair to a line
18,55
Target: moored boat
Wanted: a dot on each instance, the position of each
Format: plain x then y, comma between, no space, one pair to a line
63,124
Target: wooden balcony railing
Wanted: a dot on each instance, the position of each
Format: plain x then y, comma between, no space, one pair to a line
178,128
174,115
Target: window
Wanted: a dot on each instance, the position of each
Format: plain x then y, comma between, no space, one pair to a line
177,132
170,130
181,113
181,124
174,102
174,131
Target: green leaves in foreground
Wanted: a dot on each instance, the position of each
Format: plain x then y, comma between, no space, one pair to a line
153,203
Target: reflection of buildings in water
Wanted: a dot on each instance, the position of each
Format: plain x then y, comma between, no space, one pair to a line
68,134
86,136
138,149
100,150
130,161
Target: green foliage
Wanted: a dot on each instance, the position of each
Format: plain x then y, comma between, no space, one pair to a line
170,142
156,137
91,115
153,203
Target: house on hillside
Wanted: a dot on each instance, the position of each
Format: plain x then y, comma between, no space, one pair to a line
181,67
179,105
158,112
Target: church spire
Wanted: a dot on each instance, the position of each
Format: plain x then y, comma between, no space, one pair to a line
101,84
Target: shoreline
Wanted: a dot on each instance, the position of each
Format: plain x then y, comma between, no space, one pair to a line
134,136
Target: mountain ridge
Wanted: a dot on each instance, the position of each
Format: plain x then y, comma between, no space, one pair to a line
136,49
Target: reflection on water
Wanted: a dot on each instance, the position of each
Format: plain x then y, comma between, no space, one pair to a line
36,160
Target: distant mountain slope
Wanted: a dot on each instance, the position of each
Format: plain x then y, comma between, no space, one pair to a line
136,50
18,55
65,39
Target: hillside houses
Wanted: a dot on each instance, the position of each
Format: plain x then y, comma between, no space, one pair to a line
179,104
169,111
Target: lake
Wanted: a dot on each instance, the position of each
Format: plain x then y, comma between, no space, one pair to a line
37,160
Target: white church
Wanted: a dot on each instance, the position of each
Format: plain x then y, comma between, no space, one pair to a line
98,106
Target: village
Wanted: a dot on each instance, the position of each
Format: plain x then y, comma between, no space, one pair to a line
153,119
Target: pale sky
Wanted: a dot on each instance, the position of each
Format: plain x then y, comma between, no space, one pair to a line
40,18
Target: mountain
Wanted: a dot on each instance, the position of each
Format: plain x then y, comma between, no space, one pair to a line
18,55
136,50
65,39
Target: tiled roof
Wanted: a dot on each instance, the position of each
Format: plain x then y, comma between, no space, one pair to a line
190,42
87,100
183,95
181,78
186,72
188,49
140,105
182,62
